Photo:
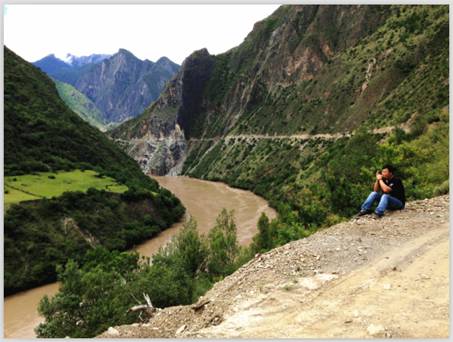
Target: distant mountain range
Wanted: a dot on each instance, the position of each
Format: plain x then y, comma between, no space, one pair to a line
120,86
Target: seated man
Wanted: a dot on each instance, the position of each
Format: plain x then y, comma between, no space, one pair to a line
392,196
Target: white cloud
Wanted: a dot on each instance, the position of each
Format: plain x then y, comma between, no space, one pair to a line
148,31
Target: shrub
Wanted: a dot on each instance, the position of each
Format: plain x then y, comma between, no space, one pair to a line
223,245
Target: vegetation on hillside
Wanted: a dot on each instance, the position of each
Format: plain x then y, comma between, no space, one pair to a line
326,181
398,68
41,234
80,104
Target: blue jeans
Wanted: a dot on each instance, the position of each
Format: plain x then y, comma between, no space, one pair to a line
385,202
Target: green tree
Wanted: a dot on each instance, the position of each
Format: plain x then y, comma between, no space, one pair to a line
223,245
262,241
191,248
93,297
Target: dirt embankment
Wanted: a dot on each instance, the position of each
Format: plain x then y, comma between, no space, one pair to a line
357,279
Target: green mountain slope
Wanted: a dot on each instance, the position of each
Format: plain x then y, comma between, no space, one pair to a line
395,75
41,135
344,89
295,73
80,104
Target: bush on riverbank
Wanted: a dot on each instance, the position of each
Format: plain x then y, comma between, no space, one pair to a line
98,293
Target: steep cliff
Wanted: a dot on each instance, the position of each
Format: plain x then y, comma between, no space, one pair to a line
155,138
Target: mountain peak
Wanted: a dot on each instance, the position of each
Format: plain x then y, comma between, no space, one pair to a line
163,59
122,51
47,57
201,52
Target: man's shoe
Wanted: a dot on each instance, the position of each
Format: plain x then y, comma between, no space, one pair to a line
377,215
364,212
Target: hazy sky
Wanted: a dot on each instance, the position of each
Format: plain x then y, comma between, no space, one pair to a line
148,31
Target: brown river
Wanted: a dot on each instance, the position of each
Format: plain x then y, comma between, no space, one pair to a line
203,200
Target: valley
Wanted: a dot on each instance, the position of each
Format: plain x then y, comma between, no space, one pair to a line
236,177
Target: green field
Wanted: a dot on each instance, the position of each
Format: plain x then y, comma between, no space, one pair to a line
43,185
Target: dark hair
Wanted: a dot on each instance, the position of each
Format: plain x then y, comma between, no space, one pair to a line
389,167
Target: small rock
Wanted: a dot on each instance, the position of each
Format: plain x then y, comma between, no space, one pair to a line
181,329
375,329
112,331
387,286
309,283
348,321
326,277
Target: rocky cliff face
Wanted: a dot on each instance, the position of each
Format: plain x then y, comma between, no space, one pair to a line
156,139
159,152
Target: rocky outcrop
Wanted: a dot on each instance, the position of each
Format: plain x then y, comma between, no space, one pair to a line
158,153
196,72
